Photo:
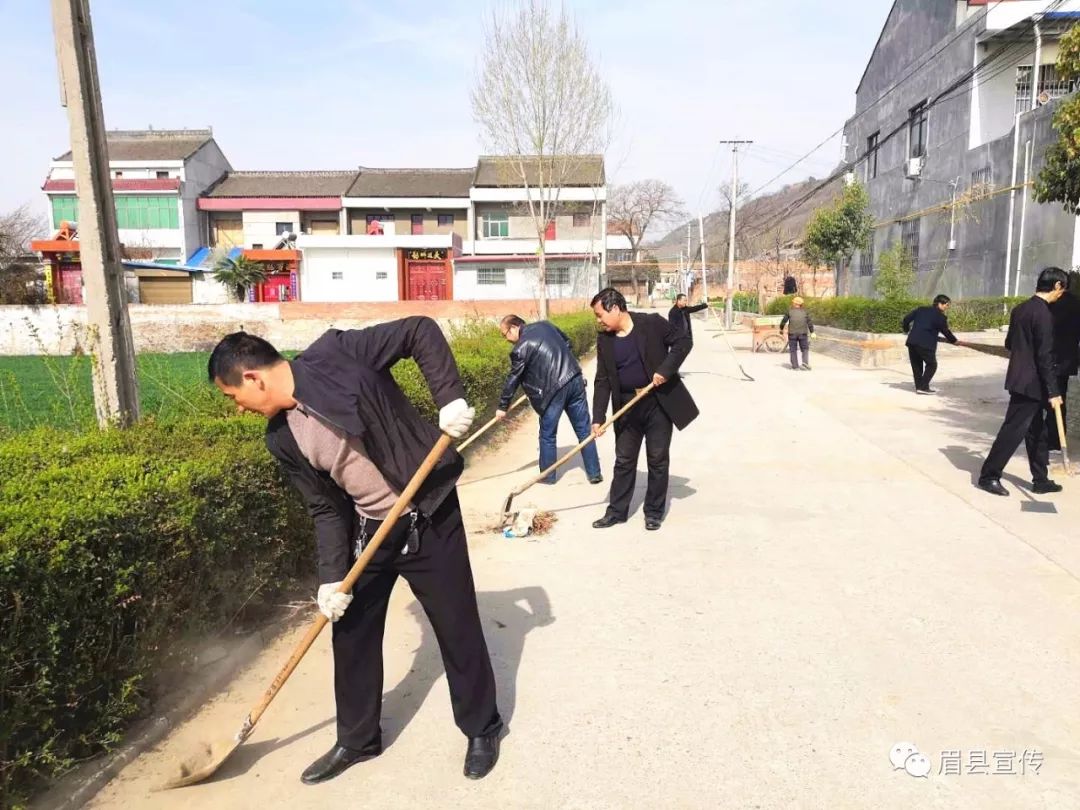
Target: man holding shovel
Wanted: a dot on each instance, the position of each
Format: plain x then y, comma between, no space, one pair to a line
350,440
634,350
1032,385
542,363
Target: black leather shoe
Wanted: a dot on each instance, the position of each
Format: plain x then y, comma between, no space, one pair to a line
1046,487
481,756
652,524
993,486
599,479
337,760
606,522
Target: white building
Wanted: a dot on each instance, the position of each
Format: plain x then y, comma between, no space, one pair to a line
158,177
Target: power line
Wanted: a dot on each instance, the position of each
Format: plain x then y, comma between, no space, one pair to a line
944,95
959,32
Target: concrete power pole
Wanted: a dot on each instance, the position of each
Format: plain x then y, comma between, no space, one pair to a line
729,305
116,391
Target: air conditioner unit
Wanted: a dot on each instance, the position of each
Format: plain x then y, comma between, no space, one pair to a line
914,166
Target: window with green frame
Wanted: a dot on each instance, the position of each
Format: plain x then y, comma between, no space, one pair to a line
151,211
496,225
64,208
132,211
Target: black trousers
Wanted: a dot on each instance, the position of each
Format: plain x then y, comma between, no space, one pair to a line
795,343
1025,421
1052,440
923,366
441,578
647,421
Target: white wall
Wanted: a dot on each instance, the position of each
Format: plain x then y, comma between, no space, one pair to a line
522,282
1004,15
259,226
164,241
994,100
358,268
205,289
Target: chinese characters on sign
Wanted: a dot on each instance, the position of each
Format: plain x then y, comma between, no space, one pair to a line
431,254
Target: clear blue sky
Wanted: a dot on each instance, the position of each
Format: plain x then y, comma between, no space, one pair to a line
327,84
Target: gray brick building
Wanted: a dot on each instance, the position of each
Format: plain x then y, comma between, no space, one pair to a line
945,118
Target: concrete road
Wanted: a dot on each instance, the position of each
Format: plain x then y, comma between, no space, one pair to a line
828,583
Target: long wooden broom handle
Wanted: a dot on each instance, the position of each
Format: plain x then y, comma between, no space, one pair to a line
1061,438
404,499
489,424
571,453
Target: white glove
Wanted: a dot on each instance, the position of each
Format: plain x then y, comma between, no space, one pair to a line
331,603
456,417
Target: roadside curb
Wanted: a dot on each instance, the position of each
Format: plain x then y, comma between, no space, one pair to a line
78,787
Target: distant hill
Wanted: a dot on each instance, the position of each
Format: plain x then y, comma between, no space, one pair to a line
758,223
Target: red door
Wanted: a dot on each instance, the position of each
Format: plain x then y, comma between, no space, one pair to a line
71,285
417,224
276,288
427,281
549,231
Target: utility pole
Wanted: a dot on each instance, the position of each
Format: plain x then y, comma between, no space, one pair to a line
685,282
704,270
116,391
729,308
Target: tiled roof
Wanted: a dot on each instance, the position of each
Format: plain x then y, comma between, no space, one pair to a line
284,184
153,144
412,183
505,171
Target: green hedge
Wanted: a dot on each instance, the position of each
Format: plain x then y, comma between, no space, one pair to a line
876,315
115,544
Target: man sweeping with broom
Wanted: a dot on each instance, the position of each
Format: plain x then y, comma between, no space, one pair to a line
1033,388
632,351
350,440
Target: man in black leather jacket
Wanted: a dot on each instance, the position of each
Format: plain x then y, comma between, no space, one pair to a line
543,364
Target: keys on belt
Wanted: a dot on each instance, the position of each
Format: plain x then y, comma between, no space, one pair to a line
412,537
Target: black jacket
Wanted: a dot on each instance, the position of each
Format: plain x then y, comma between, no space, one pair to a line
542,363
345,377
1066,314
663,347
681,315
923,325
1030,342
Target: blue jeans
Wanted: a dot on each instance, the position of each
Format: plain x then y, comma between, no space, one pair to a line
571,399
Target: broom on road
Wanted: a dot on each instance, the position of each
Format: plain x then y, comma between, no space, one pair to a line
508,516
210,757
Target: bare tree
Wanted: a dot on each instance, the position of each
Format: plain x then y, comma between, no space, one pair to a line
17,228
541,103
634,207
19,269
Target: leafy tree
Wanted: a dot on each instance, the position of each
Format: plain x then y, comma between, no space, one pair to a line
239,274
834,233
896,274
1059,180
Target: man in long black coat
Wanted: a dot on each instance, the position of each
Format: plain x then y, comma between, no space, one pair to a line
1066,313
681,312
1032,385
350,441
633,350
